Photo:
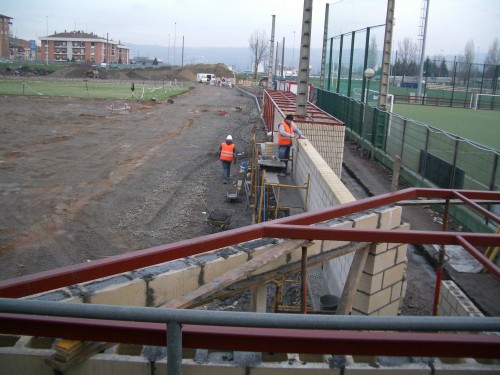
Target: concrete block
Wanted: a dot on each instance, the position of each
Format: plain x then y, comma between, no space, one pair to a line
377,248
404,226
219,266
174,284
369,221
369,303
393,275
375,264
370,284
391,309
463,366
390,218
112,364
402,250
294,369
329,245
314,249
21,361
132,293
396,293
369,368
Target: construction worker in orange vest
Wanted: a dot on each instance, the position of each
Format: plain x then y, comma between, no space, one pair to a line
227,155
286,133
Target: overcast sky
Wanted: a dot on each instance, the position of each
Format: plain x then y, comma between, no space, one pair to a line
229,23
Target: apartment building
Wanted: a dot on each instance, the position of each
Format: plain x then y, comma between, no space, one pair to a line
79,46
5,23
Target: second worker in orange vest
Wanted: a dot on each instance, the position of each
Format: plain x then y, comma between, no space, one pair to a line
227,155
286,133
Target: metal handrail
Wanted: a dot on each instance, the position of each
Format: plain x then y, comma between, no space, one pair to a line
175,319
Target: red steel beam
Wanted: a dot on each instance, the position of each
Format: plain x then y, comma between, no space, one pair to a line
37,283
260,339
78,273
378,235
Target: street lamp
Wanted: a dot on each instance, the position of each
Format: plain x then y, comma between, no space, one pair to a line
368,73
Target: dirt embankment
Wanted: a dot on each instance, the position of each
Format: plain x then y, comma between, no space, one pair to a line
180,73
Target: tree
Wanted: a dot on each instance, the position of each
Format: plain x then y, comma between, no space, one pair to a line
372,53
469,54
465,61
492,62
259,46
407,53
493,56
407,50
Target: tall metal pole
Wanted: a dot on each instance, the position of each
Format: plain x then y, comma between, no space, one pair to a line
47,44
304,56
282,57
422,52
386,57
271,57
175,37
182,55
276,60
323,55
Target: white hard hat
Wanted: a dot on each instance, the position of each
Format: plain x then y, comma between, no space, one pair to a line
229,138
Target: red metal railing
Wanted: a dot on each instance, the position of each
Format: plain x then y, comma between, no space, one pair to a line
299,227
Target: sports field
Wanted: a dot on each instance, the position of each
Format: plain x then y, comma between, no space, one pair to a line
91,89
481,126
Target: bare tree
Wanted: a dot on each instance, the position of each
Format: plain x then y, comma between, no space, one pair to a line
259,45
407,50
465,61
469,53
406,63
493,56
373,53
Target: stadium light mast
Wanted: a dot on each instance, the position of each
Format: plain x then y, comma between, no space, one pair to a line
423,25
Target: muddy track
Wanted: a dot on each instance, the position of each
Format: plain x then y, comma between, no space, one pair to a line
80,182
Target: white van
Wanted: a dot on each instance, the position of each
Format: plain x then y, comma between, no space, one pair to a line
204,77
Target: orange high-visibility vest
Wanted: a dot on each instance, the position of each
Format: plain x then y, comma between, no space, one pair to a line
226,152
283,139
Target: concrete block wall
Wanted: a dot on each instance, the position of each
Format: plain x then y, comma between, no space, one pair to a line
454,302
382,284
326,189
21,359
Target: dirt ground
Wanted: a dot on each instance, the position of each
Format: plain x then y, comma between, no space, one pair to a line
81,179
85,179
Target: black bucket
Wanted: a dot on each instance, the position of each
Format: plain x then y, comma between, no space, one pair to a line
329,302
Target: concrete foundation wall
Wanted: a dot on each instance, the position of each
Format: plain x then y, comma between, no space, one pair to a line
454,302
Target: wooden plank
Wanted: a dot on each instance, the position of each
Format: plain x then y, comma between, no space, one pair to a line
352,282
206,291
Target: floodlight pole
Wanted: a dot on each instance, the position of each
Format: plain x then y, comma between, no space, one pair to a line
422,52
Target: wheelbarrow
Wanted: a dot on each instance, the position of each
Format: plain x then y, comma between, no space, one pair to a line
218,218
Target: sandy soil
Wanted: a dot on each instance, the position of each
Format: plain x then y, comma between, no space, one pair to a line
82,179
